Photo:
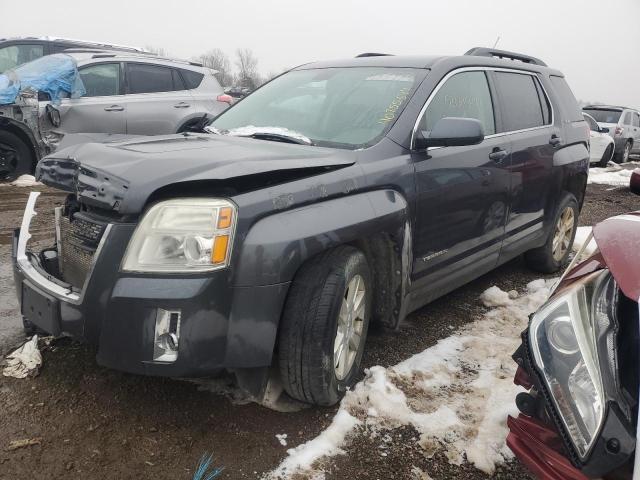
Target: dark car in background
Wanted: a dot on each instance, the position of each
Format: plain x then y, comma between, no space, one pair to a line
623,124
18,50
579,364
338,194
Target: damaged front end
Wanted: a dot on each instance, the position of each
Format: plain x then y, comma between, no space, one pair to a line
579,363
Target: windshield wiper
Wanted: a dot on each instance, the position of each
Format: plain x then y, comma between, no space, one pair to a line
280,137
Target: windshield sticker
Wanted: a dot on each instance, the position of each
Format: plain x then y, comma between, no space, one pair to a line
391,111
391,77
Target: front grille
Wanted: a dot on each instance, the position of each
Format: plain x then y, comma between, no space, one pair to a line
79,237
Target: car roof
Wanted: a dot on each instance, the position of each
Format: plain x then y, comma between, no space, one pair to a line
429,62
609,107
75,42
89,56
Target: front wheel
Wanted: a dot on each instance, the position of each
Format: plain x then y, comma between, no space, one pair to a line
324,326
554,254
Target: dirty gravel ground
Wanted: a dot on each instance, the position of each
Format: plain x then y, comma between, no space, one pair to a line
91,422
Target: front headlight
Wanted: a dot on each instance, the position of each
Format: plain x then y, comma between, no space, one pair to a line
183,235
564,336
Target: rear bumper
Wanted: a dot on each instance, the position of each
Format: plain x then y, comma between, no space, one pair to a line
222,327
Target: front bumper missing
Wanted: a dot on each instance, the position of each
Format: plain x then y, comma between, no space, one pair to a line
221,326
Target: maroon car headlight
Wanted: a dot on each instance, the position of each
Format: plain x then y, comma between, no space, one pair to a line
564,336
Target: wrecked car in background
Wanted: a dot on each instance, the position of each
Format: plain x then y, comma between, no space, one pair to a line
579,363
337,194
117,93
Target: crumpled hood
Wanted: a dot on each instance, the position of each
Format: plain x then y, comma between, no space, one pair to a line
618,240
122,175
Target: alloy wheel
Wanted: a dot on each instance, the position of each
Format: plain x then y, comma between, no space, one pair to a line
350,327
563,234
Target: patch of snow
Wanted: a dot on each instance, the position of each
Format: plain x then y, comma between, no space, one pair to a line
23,181
282,438
249,130
613,174
25,361
456,394
582,233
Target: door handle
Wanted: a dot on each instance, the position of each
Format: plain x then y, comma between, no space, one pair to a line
181,105
555,140
498,154
114,108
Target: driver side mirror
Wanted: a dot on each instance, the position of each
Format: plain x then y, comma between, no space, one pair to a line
451,132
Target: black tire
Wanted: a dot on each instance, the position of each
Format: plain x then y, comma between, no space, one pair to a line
606,156
310,324
16,154
542,259
623,155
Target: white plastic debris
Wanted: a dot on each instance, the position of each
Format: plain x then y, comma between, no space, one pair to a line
282,438
25,361
25,181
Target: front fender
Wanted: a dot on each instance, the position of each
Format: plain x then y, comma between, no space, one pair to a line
276,246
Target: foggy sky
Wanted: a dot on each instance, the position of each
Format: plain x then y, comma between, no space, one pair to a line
596,44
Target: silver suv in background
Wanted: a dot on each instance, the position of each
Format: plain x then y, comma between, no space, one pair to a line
127,93
138,94
624,126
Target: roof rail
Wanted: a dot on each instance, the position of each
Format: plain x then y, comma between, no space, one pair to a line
492,52
373,54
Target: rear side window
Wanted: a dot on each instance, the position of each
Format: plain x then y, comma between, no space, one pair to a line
627,118
567,100
101,80
464,95
593,126
522,105
602,115
636,120
145,78
14,55
191,79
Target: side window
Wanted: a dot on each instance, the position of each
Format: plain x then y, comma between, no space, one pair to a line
101,80
145,78
627,118
464,95
592,124
522,107
636,120
191,78
544,102
177,80
14,55
567,99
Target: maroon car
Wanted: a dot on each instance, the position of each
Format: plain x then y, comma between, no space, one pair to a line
634,183
579,363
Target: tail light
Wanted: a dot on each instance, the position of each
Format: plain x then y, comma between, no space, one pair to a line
619,130
224,98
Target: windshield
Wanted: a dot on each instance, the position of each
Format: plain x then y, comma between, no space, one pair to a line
336,107
604,116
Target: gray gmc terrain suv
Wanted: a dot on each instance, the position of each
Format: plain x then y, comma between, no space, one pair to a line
336,195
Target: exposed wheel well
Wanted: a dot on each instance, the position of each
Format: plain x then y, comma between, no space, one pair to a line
576,185
18,132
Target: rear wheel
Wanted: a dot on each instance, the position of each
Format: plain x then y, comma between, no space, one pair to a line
15,156
554,254
324,326
606,156
623,156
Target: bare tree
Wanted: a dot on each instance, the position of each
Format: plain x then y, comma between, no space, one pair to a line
247,64
218,60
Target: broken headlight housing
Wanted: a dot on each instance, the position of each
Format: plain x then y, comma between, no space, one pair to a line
566,336
183,235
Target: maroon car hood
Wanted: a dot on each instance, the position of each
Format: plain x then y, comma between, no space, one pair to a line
618,240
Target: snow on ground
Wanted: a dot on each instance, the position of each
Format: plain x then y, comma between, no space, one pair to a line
456,394
23,181
581,236
613,174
